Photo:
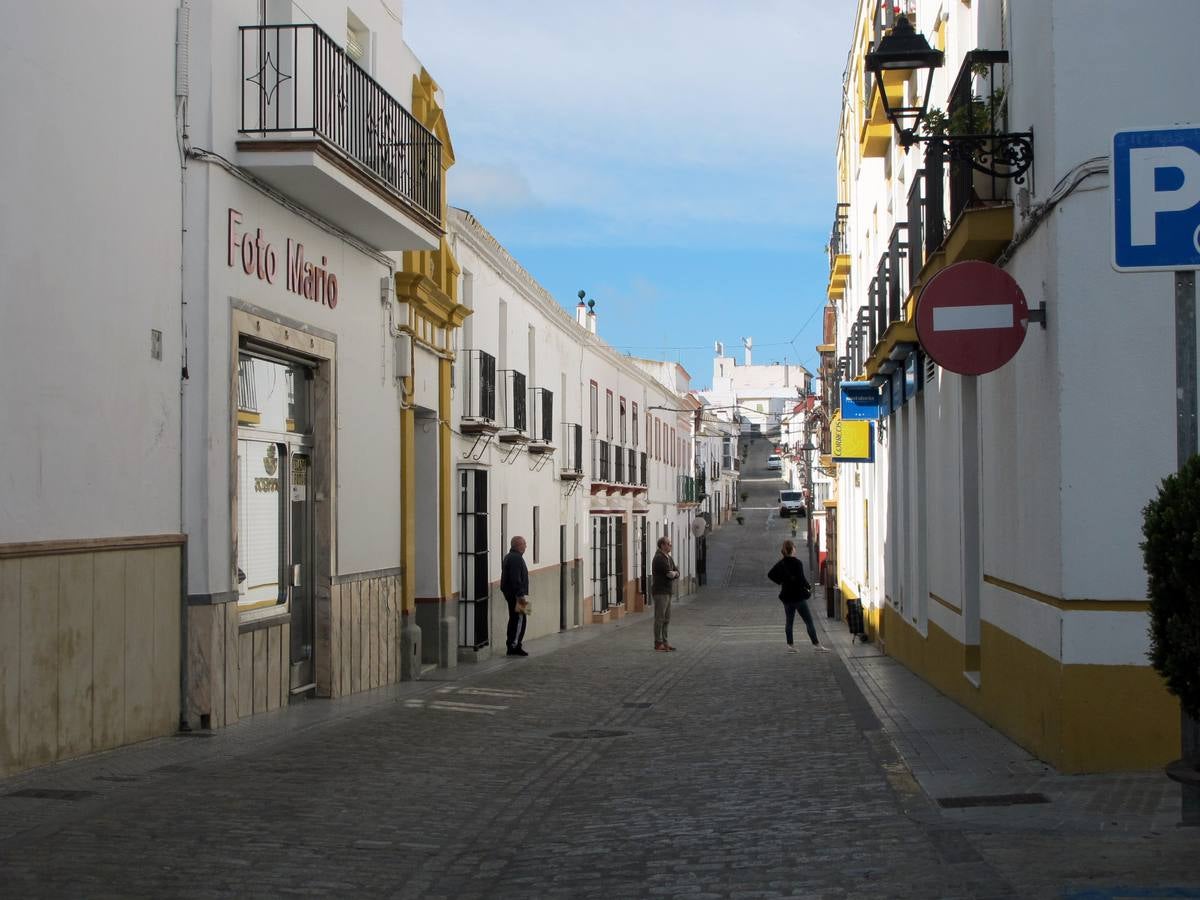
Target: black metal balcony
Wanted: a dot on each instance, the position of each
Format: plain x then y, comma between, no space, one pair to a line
572,459
632,466
645,478
297,81
515,401
685,489
601,468
542,421
479,391
618,465
837,237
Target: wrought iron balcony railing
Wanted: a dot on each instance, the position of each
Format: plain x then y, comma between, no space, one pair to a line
632,468
541,426
515,418
479,394
837,237
296,80
601,469
644,473
572,459
618,457
685,489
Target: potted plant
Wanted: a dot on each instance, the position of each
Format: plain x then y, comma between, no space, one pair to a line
1171,550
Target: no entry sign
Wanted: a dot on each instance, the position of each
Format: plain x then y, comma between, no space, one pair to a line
971,318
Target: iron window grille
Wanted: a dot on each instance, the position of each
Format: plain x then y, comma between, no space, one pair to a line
542,421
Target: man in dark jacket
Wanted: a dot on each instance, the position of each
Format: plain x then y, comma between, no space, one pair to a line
794,591
514,585
663,574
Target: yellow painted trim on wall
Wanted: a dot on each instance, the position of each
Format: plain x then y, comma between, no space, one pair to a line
847,591
246,417
1078,718
946,603
445,477
408,511
1080,605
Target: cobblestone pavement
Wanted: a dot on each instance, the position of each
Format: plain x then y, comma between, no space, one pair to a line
600,768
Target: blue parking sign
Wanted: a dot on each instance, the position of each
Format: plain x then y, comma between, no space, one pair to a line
1156,199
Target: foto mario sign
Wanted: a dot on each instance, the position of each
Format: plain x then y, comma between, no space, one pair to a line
258,257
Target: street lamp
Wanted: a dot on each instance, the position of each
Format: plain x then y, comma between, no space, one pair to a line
998,154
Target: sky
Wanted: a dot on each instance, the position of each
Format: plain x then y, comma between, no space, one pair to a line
672,158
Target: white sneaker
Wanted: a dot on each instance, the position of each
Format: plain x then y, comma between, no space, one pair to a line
792,648
821,647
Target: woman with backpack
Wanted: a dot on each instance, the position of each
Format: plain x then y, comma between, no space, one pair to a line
794,591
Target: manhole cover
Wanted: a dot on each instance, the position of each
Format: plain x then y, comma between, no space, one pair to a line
589,734
991,800
51,794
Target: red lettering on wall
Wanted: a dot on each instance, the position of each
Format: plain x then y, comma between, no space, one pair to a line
258,258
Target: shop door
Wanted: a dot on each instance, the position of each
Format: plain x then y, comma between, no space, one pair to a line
275,533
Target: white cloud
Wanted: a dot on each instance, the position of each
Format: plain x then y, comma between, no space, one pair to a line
474,185
641,113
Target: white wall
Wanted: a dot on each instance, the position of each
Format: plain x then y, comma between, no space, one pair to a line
90,248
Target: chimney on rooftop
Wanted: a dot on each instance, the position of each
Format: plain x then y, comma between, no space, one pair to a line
591,316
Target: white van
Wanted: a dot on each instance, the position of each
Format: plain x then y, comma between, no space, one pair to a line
791,503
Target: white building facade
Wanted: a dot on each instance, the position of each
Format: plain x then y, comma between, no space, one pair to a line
559,439
994,539
271,191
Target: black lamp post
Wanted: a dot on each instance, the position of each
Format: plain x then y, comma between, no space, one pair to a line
998,154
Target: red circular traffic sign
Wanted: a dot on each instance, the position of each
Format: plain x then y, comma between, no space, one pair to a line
971,317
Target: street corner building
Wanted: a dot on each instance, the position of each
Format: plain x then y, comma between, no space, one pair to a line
987,509
273,445
216,501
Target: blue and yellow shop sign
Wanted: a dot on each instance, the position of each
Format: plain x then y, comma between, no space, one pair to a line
852,441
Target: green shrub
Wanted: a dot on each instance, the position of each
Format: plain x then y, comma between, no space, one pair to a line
1171,526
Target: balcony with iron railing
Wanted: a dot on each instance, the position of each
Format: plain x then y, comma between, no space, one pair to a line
572,458
320,129
541,422
618,472
685,490
514,421
839,254
644,471
601,462
479,393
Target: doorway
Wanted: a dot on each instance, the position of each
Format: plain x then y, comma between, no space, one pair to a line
275,532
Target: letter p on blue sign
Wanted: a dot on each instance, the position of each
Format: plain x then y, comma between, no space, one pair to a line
1156,199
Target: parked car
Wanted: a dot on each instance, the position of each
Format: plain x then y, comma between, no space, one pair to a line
774,462
791,503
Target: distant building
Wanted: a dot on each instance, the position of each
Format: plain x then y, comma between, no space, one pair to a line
759,395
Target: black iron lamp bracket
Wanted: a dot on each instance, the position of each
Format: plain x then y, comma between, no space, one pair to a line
1004,155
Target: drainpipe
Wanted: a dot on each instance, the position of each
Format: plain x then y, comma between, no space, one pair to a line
182,62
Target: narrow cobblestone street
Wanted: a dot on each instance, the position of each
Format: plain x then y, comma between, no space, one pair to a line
596,768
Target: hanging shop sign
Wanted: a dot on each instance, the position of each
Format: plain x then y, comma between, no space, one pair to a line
851,441
859,401
257,257
972,317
